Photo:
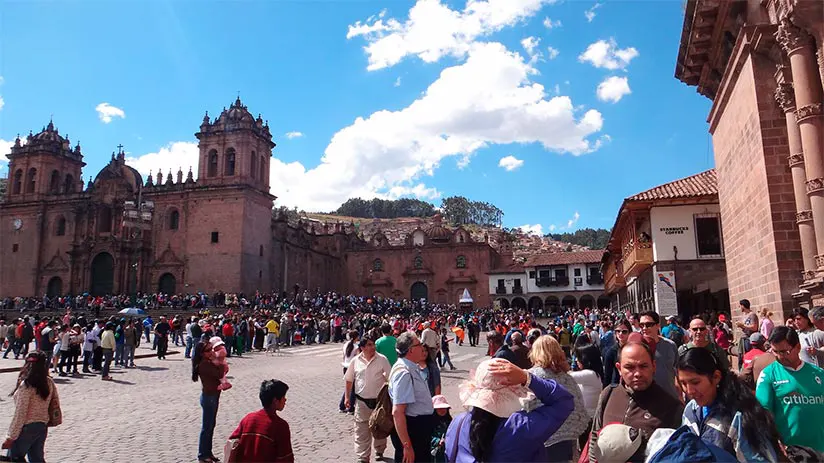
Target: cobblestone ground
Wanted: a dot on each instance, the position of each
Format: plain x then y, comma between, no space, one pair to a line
152,413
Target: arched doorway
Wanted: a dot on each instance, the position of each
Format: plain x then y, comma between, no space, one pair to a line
518,303
552,304
102,274
569,301
587,301
603,301
55,287
419,291
535,304
167,284
503,303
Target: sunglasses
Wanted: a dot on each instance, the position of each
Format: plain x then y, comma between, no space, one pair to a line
699,329
622,331
647,324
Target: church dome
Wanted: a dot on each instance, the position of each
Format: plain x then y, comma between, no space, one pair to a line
438,233
118,170
48,134
237,112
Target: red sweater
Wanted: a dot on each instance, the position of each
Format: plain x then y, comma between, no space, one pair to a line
263,436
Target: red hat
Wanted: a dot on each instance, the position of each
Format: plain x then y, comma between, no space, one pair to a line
722,318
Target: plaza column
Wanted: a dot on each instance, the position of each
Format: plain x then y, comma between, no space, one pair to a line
797,44
804,217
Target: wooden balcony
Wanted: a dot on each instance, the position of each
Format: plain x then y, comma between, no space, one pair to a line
517,290
613,277
637,258
552,281
500,290
595,280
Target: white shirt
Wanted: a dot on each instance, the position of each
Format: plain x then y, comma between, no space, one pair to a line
368,376
430,338
591,387
348,359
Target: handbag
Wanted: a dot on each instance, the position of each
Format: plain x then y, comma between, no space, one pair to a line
55,413
230,450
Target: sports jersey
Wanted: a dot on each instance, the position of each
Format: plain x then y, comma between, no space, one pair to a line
796,400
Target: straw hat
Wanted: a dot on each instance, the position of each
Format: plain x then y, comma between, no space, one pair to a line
487,392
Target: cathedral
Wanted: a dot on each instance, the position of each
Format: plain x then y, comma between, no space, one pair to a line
121,233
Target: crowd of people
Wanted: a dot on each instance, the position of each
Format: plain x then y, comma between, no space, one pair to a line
594,385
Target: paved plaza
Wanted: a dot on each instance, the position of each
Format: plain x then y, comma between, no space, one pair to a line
152,413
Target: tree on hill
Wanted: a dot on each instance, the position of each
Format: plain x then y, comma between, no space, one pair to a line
592,238
458,210
385,209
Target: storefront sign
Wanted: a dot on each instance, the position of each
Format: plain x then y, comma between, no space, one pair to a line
674,230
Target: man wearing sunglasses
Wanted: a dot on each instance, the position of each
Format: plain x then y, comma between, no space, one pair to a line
665,351
700,335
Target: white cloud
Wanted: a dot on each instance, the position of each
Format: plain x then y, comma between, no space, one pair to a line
433,30
107,112
5,149
463,162
419,191
573,220
552,52
530,45
2,102
293,135
2,80
606,54
488,100
176,155
510,163
612,89
398,82
552,228
536,229
550,24
590,13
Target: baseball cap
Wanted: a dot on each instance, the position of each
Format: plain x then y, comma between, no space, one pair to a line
757,338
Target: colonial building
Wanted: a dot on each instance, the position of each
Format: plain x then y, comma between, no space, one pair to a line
666,251
756,61
550,282
118,233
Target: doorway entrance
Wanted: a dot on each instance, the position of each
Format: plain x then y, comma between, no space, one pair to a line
419,291
102,274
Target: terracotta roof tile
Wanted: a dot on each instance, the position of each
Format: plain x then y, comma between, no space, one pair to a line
565,258
512,268
703,184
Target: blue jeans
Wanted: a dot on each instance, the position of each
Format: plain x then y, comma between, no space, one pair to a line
128,355
209,404
31,442
189,343
118,354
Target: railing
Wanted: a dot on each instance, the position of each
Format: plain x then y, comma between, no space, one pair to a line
595,280
553,281
637,258
517,290
500,290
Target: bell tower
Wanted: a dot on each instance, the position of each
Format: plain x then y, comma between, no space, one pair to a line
44,166
235,148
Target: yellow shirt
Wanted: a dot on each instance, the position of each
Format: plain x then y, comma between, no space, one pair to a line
273,327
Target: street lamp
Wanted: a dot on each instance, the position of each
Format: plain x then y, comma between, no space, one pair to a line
137,217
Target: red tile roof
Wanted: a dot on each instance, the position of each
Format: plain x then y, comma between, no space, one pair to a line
515,267
694,186
565,258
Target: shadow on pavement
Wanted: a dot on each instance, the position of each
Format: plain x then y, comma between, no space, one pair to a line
151,368
120,381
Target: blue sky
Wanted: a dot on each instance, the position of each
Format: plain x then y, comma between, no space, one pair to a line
367,98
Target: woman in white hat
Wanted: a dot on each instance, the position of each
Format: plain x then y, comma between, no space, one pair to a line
511,414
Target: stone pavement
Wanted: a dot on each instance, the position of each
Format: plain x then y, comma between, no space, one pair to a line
152,413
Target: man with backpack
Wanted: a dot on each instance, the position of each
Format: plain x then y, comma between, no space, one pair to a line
673,332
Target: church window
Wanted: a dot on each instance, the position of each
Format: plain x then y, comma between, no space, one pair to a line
377,265
215,237
60,229
15,247
54,182
261,250
254,166
262,168
229,166
31,180
418,263
460,262
174,219
212,170
68,185
104,220
18,182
